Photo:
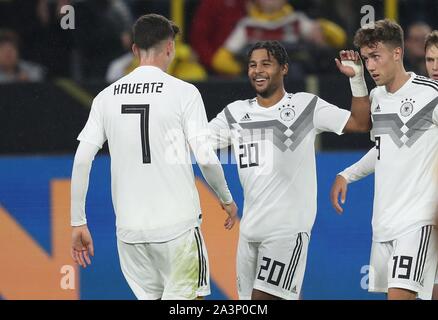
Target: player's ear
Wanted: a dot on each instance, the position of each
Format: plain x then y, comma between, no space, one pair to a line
285,69
135,51
398,54
170,47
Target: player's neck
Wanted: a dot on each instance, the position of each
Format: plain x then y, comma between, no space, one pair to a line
399,80
154,61
273,99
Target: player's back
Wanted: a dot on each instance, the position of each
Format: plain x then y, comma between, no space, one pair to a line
144,117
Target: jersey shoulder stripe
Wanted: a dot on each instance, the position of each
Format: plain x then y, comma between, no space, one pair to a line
423,82
426,79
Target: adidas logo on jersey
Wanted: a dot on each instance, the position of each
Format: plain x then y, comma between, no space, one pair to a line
294,289
377,109
246,117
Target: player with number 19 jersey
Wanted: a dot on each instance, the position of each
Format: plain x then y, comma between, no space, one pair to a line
275,154
146,117
405,129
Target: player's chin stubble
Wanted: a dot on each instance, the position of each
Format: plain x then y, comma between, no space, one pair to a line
267,92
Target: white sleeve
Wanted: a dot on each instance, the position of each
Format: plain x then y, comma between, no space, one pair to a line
364,167
79,181
372,138
435,116
220,133
237,40
94,131
198,136
328,117
194,117
210,167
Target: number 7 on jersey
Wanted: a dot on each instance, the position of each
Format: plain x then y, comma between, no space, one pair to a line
143,110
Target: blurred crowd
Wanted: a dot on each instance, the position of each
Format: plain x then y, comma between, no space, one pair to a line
216,35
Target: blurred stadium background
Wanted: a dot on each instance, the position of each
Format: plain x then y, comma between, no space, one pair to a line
49,76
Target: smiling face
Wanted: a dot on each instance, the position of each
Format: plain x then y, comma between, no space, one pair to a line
265,73
381,62
432,62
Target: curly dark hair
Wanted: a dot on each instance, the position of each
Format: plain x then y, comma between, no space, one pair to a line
386,31
273,48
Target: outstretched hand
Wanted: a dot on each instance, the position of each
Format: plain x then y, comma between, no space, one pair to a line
82,246
350,63
338,187
231,210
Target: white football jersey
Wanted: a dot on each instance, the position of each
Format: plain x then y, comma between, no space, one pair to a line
406,135
275,155
148,116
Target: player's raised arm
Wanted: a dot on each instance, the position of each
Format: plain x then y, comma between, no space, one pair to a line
82,243
364,167
350,64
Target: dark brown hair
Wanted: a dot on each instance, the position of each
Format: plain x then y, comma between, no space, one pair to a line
150,29
386,31
431,40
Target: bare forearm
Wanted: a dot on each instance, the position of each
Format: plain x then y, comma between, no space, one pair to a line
351,66
360,112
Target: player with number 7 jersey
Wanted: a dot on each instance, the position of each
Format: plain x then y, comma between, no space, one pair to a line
151,121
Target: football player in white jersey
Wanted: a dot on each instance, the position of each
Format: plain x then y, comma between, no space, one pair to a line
404,250
150,120
273,138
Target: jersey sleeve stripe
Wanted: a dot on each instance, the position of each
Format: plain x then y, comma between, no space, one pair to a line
428,84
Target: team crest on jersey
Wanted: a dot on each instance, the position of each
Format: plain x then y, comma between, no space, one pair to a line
407,107
287,114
